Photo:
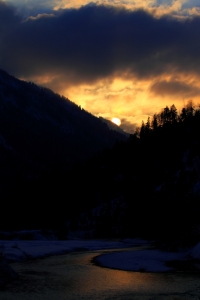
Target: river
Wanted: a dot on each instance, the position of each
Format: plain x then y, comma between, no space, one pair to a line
74,276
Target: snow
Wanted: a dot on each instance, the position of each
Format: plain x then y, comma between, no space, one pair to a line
139,260
22,250
195,252
122,257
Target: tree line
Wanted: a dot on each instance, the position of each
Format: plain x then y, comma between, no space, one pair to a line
169,115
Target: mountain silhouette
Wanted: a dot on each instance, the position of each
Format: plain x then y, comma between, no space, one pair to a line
41,131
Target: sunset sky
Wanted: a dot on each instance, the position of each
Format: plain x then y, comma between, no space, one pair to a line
124,59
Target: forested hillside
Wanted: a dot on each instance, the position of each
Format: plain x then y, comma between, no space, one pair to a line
41,133
55,174
148,186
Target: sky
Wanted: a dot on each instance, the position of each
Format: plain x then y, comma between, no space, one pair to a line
125,59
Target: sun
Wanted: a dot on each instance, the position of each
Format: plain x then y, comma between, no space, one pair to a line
116,121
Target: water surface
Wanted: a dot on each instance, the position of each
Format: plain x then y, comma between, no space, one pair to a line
73,276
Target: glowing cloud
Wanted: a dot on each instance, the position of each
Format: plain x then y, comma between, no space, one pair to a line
123,58
157,7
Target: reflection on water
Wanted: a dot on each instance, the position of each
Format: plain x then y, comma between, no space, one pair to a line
72,276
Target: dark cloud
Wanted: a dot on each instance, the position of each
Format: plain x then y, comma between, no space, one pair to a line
174,88
33,7
128,126
93,42
8,18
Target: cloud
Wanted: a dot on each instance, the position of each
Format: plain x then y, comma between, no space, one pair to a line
164,2
8,16
110,60
94,42
128,126
33,7
191,4
177,8
168,88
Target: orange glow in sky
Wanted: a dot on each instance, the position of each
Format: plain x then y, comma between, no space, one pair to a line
133,101
121,58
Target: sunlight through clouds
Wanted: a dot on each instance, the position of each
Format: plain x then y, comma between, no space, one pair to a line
130,101
125,62
158,7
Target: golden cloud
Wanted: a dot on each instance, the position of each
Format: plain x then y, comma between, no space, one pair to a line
108,64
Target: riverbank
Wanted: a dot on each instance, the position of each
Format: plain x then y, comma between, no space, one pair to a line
144,259
17,250
150,260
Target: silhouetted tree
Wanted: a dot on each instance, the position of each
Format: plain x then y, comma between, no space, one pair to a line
142,130
154,122
173,114
188,111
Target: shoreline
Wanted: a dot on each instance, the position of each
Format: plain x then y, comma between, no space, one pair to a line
118,255
148,260
179,266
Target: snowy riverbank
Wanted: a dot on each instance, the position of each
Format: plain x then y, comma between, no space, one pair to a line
139,260
150,260
17,250
22,250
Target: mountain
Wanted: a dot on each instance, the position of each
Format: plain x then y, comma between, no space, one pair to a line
148,186
41,131
113,126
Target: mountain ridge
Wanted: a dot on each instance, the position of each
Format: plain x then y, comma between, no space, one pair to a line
41,130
